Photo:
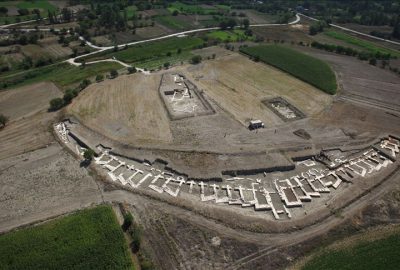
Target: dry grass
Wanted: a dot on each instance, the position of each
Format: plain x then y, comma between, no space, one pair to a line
127,109
239,85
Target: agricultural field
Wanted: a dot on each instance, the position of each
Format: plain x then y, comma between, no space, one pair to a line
62,75
230,35
197,9
127,109
43,5
363,44
302,66
376,249
153,50
88,239
174,22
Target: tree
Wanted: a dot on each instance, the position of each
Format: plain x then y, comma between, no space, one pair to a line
56,104
196,59
68,96
113,74
179,51
167,64
3,10
396,29
99,77
175,13
23,11
88,154
246,23
131,70
3,120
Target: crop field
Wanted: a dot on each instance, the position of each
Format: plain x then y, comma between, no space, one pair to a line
89,239
229,36
366,45
173,22
42,5
196,9
62,75
239,85
127,109
377,250
154,50
302,66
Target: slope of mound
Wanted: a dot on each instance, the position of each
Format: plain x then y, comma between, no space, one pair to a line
127,109
302,66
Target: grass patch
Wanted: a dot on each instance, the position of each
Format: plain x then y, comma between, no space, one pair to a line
173,59
192,9
152,50
366,45
363,255
39,4
61,74
229,36
172,22
302,66
89,239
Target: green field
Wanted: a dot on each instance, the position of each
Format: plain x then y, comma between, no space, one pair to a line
61,74
366,45
130,11
152,50
89,239
364,255
230,36
42,5
302,66
196,9
172,22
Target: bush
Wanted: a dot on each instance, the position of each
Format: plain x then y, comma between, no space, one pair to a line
128,220
196,59
131,70
88,154
167,64
56,104
113,73
3,120
99,77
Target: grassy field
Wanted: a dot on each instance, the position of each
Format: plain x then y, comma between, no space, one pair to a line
368,253
42,5
302,66
153,50
196,9
62,75
230,36
89,239
366,45
172,22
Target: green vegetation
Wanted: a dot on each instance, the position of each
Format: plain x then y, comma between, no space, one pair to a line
364,255
366,45
88,154
61,74
89,239
172,22
230,36
154,50
196,9
302,66
42,5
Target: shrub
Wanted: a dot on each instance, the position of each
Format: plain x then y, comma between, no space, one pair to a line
99,77
3,120
128,220
131,70
196,59
88,154
113,73
56,104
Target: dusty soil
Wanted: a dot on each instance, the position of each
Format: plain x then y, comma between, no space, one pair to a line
127,108
27,100
41,184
